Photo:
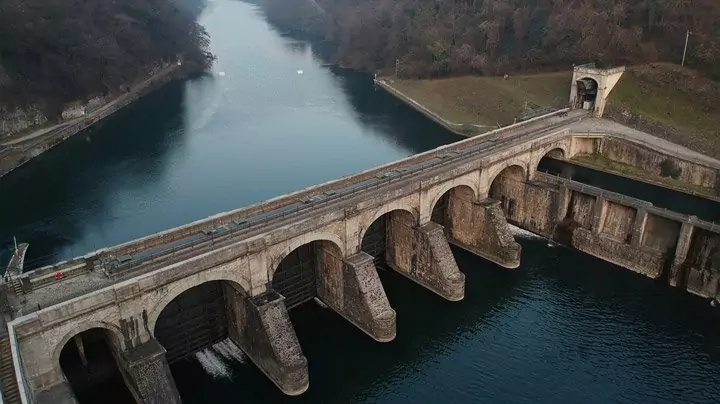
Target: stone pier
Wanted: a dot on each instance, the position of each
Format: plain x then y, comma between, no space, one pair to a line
423,255
485,232
358,296
148,376
261,327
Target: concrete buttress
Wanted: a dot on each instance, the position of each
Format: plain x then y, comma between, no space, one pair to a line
363,301
148,375
261,327
423,255
486,234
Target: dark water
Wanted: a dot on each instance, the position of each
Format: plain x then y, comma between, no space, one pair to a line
705,209
563,328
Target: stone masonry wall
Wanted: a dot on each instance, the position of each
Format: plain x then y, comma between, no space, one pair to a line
618,221
660,164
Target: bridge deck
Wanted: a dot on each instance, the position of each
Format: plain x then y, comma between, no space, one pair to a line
146,254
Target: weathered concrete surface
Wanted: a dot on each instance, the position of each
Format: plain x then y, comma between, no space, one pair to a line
148,376
261,327
423,255
645,262
364,302
697,261
486,233
659,164
434,265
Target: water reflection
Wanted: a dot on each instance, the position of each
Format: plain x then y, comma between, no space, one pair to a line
63,194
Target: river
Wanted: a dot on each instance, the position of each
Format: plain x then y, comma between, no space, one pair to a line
271,118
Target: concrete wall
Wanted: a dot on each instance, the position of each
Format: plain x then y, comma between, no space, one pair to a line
660,164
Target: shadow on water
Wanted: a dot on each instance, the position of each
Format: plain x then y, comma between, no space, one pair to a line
563,315
345,365
123,153
386,116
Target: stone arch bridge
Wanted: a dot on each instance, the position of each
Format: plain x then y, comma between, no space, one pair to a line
323,242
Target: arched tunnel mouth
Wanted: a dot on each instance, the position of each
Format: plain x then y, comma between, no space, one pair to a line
88,361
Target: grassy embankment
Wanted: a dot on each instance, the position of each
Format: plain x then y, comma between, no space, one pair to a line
679,104
666,100
488,101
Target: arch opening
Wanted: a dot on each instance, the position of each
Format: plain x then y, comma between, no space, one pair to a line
90,362
387,239
452,205
303,271
587,91
194,320
508,187
554,162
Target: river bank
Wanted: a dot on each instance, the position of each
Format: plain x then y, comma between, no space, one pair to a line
454,127
15,152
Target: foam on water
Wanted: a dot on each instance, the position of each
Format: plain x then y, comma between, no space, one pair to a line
521,233
229,351
213,364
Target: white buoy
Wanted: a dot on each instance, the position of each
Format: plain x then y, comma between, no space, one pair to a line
300,72
221,74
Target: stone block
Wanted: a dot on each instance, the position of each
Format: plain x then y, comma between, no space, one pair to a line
433,264
261,327
148,376
364,302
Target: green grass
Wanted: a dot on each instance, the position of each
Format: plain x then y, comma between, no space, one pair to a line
488,101
673,96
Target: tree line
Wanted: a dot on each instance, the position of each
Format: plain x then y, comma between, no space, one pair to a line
429,38
55,51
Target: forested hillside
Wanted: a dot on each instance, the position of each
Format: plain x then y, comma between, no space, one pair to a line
449,37
55,51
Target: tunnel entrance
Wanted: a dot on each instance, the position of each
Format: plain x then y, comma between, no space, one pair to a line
296,277
587,90
194,320
89,363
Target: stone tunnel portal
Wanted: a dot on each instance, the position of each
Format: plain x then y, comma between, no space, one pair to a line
88,361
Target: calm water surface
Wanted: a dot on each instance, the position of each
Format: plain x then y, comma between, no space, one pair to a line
563,328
